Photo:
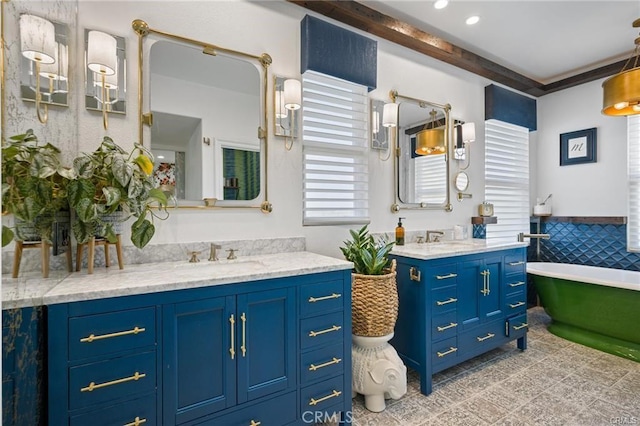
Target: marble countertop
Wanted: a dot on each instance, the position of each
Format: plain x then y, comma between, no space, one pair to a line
426,251
61,287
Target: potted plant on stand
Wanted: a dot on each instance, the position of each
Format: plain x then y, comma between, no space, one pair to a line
34,191
112,186
378,371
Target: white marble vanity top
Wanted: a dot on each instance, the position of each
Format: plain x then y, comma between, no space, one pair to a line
426,251
33,290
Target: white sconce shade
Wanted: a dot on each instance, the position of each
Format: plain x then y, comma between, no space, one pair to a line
281,111
102,53
390,115
59,70
37,39
292,94
468,132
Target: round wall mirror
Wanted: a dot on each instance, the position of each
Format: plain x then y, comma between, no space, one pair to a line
461,181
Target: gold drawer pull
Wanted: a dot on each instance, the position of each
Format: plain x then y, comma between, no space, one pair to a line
319,299
232,349
450,351
516,284
516,305
518,263
444,277
324,398
93,337
521,326
136,422
243,348
451,300
415,274
254,423
328,330
488,336
93,386
446,327
314,367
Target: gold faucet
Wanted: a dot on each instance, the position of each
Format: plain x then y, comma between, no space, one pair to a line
436,236
212,254
194,256
232,254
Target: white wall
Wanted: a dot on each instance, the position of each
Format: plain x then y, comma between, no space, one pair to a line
274,27
591,189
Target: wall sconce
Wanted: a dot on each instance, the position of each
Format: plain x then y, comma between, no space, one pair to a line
390,115
38,45
287,106
464,135
430,141
116,89
379,136
102,60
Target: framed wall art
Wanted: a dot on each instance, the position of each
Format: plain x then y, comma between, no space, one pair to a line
578,147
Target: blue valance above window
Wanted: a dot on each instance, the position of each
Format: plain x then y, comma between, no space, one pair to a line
510,107
338,52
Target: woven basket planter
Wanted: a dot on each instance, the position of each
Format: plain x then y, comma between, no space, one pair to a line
374,303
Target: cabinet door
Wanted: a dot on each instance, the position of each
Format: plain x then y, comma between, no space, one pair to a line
470,286
266,336
491,290
199,363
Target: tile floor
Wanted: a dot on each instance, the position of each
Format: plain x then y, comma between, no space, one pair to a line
553,382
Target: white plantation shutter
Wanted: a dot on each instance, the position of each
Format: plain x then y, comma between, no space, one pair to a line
334,150
507,179
430,172
633,220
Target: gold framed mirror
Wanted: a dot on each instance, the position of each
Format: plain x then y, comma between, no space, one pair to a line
208,120
422,154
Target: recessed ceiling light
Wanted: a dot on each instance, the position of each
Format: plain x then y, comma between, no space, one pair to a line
441,4
472,20
161,156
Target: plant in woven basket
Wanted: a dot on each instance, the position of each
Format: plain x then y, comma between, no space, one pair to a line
374,294
369,256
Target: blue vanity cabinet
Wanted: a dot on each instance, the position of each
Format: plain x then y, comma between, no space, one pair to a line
454,308
22,366
219,355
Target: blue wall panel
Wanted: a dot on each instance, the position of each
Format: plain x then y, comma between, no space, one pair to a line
511,107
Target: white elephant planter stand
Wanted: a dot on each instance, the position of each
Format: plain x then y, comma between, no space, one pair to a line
378,371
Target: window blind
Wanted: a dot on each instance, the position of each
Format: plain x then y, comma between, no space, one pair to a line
633,167
430,172
334,150
507,179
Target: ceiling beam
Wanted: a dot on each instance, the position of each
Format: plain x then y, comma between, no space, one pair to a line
394,30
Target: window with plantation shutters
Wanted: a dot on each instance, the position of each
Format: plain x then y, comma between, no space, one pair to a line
334,149
633,220
430,172
507,179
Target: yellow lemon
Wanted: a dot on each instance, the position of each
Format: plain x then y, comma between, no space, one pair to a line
145,164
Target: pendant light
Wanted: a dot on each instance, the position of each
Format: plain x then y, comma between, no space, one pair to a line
621,93
430,141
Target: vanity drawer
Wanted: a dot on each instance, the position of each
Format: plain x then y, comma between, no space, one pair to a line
323,395
322,330
515,303
322,363
444,300
515,284
321,297
444,326
441,275
517,326
445,351
102,334
481,338
112,379
276,411
126,413
515,263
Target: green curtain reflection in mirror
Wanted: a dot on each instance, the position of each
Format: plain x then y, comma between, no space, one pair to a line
241,172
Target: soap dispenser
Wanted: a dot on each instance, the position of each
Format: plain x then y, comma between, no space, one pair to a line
400,232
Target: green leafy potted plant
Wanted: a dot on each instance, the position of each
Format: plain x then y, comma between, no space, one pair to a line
374,290
34,188
108,181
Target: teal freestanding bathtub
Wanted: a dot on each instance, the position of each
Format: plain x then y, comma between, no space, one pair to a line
596,307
